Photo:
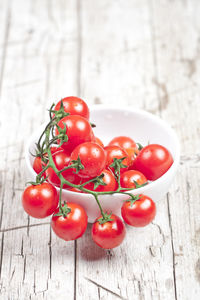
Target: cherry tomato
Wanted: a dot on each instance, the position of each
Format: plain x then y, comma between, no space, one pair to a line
92,157
109,179
140,213
78,130
116,152
40,201
110,234
38,165
55,149
128,179
74,106
99,142
61,160
127,144
153,161
124,142
73,225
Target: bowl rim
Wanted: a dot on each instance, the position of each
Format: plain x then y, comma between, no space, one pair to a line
144,113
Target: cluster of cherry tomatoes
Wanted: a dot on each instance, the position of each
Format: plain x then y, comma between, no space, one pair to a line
78,161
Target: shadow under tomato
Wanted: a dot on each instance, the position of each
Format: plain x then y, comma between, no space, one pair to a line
88,250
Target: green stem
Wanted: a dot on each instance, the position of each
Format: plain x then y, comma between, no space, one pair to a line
97,200
60,196
80,187
40,174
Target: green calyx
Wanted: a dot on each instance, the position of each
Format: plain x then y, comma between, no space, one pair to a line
106,218
133,199
64,210
58,114
98,181
62,136
117,164
92,125
140,147
39,180
77,165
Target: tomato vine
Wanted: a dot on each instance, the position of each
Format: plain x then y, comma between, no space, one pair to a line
44,151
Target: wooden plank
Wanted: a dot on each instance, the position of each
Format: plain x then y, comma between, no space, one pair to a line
177,50
40,66
121,63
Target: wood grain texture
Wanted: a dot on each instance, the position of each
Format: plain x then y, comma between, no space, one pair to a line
140,53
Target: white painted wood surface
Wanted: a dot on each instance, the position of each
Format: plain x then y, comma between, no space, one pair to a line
142,53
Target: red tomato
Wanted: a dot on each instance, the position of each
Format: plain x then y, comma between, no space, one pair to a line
127,179
38,164
124,142
73,225
127,144
110,234
78,130
141,213
153,161
40,201
116,152
61,160
74,106
99,142
109,179
92,157
55,149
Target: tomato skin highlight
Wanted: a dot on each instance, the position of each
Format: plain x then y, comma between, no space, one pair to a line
141,213
40,201
61,160
153,161
110,234
109,179
74,106
73,225
78,130
116,152
127,179
92,157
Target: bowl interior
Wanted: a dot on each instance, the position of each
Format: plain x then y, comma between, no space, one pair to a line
143,127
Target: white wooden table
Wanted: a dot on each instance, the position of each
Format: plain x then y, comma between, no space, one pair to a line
141,53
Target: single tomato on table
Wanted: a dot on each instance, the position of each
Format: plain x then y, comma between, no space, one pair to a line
139,213
153,161
40,201
72,225
109,234
74,106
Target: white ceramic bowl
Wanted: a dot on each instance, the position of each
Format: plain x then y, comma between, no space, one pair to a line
140,125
